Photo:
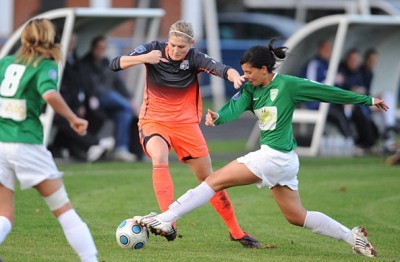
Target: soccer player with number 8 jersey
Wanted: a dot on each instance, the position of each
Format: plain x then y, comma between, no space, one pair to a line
28,80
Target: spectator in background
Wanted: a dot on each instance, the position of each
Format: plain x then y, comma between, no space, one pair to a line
73,88
351,78
108,93
389,128
316,69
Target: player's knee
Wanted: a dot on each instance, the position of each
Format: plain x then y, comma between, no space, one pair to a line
58,199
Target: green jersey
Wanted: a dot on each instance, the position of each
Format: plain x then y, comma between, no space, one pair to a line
21,102
274,104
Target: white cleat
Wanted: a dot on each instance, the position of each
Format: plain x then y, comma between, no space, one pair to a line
157,226
361,245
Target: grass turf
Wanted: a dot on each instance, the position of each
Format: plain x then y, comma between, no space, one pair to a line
354,191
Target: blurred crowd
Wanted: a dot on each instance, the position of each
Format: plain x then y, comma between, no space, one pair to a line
100,96
370,131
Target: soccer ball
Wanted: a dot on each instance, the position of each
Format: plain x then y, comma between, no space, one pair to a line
131,235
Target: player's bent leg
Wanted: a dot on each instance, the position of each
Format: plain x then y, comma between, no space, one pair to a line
223,206
78,235
75,230
233,174
289,202
322,224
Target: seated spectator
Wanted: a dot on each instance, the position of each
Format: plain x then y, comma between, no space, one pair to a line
351,78
389,127
108,93
73,89
316,69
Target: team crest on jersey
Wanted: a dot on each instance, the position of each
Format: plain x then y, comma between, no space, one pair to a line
273,93
184,65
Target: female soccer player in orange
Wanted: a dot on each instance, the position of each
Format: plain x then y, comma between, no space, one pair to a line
171,113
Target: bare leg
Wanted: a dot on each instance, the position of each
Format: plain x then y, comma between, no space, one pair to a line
48,187
289,202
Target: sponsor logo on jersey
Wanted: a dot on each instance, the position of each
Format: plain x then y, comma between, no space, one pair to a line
236,96
53,74
184,65
138,50
208,57
273,93
267,117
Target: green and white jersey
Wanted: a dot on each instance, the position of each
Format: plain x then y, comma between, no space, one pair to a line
274,105
21,102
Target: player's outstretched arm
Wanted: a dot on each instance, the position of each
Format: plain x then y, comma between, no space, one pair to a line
379,103
55,100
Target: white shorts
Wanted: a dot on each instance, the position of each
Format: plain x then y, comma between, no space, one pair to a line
29,164
273,167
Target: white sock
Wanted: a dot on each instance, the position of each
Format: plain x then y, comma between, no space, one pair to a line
5,228
192,199
78,236
326,226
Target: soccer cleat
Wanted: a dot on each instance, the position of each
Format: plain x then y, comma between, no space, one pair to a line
361,245
157,226
247,241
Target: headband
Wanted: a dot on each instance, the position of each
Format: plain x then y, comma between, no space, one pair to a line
179,32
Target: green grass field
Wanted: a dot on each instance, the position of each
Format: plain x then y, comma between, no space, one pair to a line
355,191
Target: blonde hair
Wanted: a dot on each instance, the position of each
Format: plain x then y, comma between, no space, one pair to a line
37,41
182,28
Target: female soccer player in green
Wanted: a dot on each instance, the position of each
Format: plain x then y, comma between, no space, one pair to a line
272,98
28,81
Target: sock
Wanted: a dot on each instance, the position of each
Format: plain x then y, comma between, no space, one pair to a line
78,236
222,204
326,226
5,228
192,199
163,186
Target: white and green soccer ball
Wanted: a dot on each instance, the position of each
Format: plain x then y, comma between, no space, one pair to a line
131,235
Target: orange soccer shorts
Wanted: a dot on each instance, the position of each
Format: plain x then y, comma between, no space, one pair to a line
186,139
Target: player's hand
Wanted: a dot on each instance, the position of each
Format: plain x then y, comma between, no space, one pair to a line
379,103
238,82
79,125
211,117
155,57
236,78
